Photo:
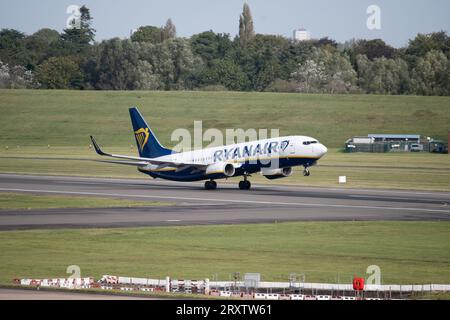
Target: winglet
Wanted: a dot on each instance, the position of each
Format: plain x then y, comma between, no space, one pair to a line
97,148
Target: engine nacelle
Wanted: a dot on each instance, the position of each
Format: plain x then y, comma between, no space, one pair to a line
277,173
149,168
227,169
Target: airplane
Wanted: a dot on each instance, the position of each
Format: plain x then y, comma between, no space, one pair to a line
210,164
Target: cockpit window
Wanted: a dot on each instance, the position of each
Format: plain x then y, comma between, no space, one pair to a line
307,143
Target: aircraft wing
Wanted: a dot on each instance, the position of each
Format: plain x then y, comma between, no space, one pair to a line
130,163
138,161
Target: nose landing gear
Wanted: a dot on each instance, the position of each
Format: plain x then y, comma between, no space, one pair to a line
306,172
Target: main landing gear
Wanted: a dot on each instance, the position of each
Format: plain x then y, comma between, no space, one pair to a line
210,185
245,184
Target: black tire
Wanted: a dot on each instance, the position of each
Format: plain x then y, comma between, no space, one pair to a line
244,185
210,185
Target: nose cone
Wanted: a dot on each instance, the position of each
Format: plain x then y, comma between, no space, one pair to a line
322,150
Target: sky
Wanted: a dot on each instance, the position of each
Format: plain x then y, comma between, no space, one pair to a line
400,20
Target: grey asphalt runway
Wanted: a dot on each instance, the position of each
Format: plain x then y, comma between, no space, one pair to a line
18,294
227,205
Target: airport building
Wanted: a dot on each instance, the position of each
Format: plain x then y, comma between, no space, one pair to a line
301,35
394,143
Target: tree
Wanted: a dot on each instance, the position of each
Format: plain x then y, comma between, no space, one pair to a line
210,46
224,72
146,79
326,71
169,31
263,60
326,43
383,76
373,49
128,65
148,34
424,43
60,73
431,75
9,37
246,31
46,36
78,38
40,46
154,34
296,53
16,77
176,63
341,76
12,48
309,76
116,65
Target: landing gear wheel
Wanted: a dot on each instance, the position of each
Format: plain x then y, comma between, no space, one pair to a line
306,172
245,185
210,185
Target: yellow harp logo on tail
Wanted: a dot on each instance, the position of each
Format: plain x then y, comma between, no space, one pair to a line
142,137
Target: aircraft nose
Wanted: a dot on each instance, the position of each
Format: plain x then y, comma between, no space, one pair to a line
322,150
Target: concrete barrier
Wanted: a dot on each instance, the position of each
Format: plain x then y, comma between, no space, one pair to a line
225,294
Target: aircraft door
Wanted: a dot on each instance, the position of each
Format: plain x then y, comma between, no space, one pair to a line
291,148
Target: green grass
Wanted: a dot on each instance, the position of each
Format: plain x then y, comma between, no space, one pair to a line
17,201
67,118
33,119
421,171
406,252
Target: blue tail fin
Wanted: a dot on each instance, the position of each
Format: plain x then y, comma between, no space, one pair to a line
147,143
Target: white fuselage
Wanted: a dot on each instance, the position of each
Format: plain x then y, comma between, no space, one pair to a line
267,149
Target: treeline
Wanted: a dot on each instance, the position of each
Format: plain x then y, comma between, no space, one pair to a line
154,58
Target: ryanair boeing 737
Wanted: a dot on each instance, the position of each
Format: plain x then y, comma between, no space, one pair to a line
210,164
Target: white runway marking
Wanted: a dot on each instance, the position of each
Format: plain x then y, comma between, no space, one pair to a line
231,201
144,181
394,198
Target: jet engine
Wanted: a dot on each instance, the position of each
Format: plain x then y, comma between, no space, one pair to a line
276,173
227,169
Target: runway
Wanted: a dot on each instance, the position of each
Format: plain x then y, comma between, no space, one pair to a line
192,205
31,294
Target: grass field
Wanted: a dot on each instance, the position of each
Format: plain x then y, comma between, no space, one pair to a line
32,120
406,252
16,201
67,118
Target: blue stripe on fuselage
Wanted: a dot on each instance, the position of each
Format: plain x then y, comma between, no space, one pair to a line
192,174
